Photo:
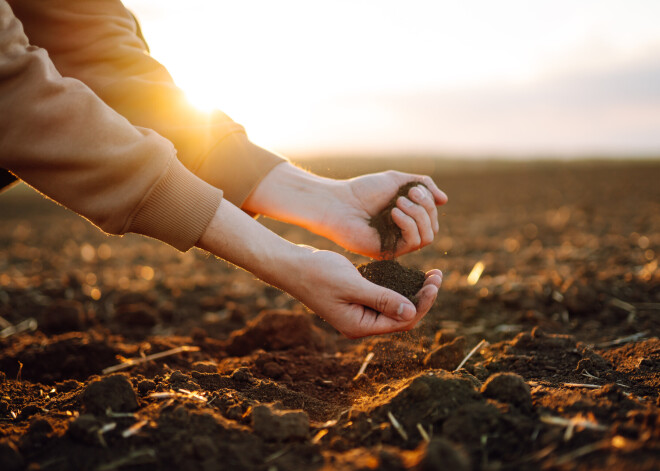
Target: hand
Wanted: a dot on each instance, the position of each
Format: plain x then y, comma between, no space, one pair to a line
341,209
347,216
332,287
324,281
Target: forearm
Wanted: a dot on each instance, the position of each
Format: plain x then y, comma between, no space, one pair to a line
236,237
292,195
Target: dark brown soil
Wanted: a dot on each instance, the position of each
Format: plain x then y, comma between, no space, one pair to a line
391,275
389,233
568,304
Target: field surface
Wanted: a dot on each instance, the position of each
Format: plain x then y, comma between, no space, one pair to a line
551,282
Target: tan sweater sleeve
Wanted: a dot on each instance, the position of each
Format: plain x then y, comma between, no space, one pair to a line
58,137
96,42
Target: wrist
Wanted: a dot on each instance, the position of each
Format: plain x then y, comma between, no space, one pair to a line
237,238
295,196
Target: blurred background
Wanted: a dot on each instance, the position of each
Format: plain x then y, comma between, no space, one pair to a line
513,78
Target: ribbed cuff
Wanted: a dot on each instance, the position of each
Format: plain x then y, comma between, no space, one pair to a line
178,209
236,166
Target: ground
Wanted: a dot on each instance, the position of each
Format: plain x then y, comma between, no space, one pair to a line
564,317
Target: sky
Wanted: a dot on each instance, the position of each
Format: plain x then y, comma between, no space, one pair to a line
512,78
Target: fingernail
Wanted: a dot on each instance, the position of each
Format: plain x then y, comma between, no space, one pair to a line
406,202
405,312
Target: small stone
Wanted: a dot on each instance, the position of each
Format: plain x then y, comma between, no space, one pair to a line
279,425
113,392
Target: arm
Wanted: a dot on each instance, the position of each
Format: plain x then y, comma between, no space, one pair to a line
96,42
340,209
324,281
60,138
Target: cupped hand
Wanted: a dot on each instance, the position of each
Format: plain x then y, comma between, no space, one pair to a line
333,288
346,217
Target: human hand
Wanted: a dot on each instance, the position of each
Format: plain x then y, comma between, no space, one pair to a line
326,282
332,287
347,216
341,209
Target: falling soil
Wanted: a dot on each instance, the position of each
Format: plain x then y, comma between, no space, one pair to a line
392,275
389,232
568,304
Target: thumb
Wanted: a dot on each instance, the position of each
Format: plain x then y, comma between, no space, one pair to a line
388,302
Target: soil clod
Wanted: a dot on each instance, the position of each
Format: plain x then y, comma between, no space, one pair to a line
113,392
272,424
510,388
394,276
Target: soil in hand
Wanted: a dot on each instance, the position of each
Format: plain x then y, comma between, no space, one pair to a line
390,233
394,276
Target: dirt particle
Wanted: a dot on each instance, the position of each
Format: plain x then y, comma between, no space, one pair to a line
394,276
112,392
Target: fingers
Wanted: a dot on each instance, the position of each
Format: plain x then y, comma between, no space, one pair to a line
426,298
388,302
412,240
433,277
424,198
417,217
376,321
429,292
439,196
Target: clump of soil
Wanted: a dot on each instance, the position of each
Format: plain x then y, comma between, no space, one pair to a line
392,275
390,233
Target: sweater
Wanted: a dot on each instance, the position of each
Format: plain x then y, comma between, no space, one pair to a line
90,119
